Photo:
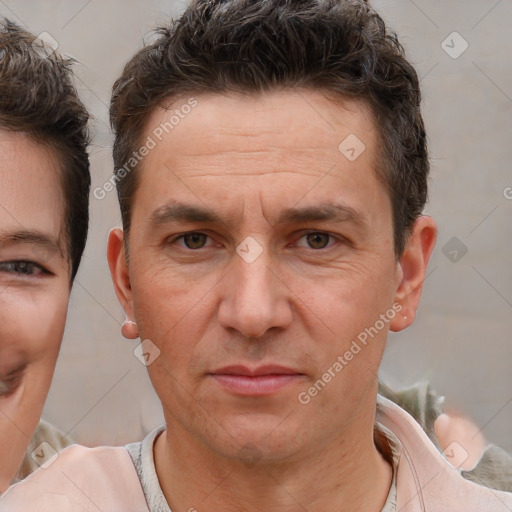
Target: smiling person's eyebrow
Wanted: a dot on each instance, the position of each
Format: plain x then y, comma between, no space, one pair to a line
23,236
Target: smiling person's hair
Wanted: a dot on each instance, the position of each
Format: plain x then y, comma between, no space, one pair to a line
38,97
337,47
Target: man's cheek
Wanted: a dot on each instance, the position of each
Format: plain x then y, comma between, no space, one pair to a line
175,351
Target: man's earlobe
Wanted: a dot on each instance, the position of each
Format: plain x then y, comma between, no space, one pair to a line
120,275
413,270
130,329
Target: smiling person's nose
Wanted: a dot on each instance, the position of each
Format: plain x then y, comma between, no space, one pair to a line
254,299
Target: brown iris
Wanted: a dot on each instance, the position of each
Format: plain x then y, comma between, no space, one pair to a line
194,240
318,240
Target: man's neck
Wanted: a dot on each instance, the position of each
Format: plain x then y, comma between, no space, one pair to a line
343,477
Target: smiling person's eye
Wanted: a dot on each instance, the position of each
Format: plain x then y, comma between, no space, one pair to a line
10,382
22,268
316,240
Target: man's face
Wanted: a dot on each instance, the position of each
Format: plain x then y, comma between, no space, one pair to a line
34,290
258,252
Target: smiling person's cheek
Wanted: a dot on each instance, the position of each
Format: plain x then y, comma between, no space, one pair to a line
31,330
34,290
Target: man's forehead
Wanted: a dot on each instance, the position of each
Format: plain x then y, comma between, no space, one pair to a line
250,150
278,132
235,115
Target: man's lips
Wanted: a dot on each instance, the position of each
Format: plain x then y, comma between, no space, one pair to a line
260,381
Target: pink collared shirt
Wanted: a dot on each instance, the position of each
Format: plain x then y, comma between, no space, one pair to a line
90,479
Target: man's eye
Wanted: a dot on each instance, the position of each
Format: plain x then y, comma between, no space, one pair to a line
194,240
315,240
21,268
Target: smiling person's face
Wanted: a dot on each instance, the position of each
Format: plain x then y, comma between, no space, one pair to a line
34,289
242,327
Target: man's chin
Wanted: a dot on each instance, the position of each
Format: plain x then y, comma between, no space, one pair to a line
256,438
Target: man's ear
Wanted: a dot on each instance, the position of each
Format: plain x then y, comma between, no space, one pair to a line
413,268
121,278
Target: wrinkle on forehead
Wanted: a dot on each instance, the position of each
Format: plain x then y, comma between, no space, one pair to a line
282,111
282,131
223,173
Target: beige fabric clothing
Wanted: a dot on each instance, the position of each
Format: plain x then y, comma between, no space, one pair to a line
426,482
45,433
85,480
79,479
494,469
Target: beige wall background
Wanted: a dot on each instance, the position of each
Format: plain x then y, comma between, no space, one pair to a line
461,340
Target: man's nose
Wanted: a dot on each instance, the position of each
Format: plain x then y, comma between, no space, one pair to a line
254,297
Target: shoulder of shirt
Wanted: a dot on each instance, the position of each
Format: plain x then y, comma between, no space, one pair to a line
45,433
79,479
425,479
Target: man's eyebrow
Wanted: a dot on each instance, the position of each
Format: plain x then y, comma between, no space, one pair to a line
322,212
24,236
179,212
